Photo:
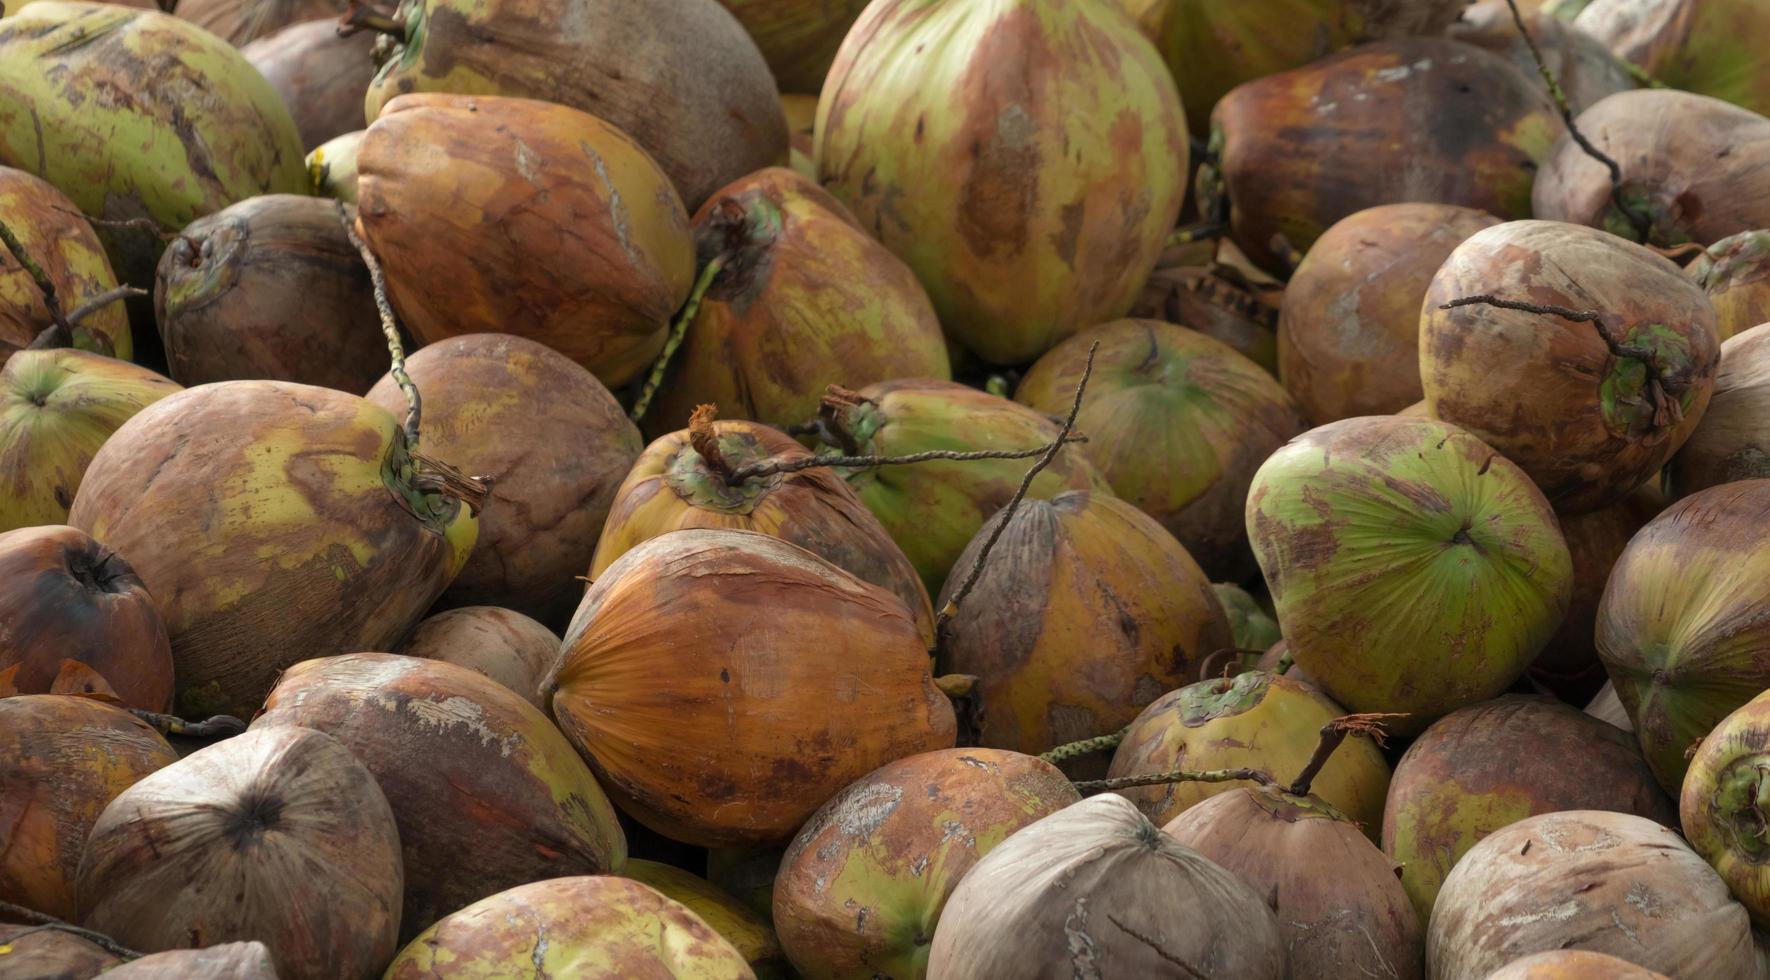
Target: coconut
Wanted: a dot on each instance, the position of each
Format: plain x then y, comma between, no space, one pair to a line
684,481
273,522
1097,882
1080,564
64,246
1414,569
691,89
1583,67
62,759
862,886
227,961
1254,720
1607,707
1214,300
277,836
68,601
747,873
57,407
1349,333
502,644
1569,664
1573,964
1341,912
763,718
1721,804
798,39
1029,170
269,288
1250,623
1488,766
1176,422
331,167
595,252
1693,169
320,75
52,954
801,123
1587,879
138,114
1732,442
803,298
1590,408
486,792
745,929
1701,46
1735,272
241,22
556,445
572,927
1679,626
933,509
1422,119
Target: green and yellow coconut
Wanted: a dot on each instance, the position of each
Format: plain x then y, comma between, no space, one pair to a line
64,246
747,930
1722,804
1735,272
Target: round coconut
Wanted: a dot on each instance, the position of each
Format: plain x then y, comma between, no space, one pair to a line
747,930
1721,801
1583,67
276,836
572,927
226,961
1488,766
1732,442
273,522
862,886
49,228
803,298
1699,45
240,22
1587,879
1594,387
321,76
594,254
1176,422
62,760
1079,565
1349,332
1679,628
1573,964
764,718
1029,170
1735,272
1097,881
269,288
486,792
1414,569
556,445
502,644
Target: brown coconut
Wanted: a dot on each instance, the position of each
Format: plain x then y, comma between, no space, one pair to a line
788,679
62,760
1573,964
276,836
1583,67
1086,611
486,792
242,21
1735,272
321,76
1097,882
502,644
798,39
1482,768
1732,442
593,255
226,961
556,445
1341,912
1213,299
1587,879
1569,665
863,884
51,954
269,288
64,246
1590,410
68,603
1349,332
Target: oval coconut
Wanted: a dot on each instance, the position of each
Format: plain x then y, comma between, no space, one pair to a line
269,288
1585,879
1591,410
862,886
502,644
1349,332
49,228
1735,272
276,836
747,930
1721,802
594,254
1079,565
486,792
556,445
1488,766
62,760
1732,442
803,298
320,75
1099,882
1176,422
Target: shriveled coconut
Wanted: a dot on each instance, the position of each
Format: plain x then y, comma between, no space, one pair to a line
502,644
1732,442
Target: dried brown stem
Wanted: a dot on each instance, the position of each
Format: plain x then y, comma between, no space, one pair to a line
46,922
63,331
770,467
396,350
148,225
706,442
1369,724
103,300
436,476
1175,776
362,17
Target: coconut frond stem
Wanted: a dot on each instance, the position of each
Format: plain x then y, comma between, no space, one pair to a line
1369,724
396,351
60,332
46,923
678,330
1175,776
1086,746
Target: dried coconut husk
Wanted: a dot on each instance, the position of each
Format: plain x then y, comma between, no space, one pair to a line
502,644
320,75
1732,442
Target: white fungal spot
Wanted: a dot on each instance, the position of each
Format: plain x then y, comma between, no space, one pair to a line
1554,913
452,712
860,814
1084,953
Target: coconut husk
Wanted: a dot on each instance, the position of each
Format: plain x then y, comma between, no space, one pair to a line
502,644
1732,442
321,76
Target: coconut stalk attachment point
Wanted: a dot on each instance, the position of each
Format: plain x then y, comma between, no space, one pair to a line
1724,806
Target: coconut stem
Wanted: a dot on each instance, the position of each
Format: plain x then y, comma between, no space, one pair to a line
706,442
103,300
396,351
769,467
220,726
836,401
1201,232
45,923
1086,746
678,331
1285,661
951,608
1636,221
1175,776
60,332
1332,734
362,17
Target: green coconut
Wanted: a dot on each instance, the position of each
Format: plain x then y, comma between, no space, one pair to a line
1251,623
